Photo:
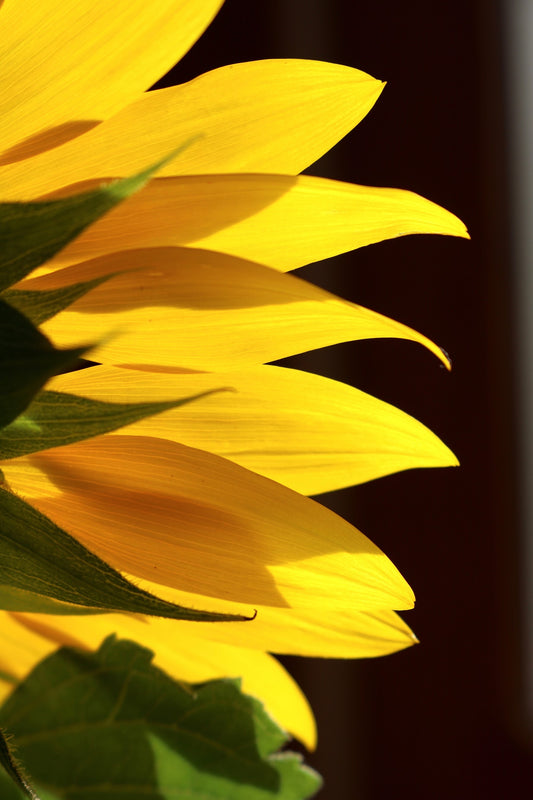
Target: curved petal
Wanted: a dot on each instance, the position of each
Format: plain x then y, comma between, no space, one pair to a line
342,634
181,652
199,523
283,222
205,311
316,632
261,116
67,66
315,435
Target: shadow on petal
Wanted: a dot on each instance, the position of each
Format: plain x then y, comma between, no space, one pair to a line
199,523
46,140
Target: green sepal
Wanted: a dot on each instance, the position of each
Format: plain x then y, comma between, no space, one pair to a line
110,725
27,360
33,232
39,306
40,558
13,769
55,419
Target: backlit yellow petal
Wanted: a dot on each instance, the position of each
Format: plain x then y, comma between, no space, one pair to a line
283,222
307,432
66,66
260,116
19,651
318,632
199,523
323,634
179,650
205,311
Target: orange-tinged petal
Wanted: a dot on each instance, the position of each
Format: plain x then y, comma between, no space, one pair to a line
260,116
199,523
307,432
283,222
179,650
67,66
205,311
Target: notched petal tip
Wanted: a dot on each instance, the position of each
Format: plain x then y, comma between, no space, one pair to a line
445,358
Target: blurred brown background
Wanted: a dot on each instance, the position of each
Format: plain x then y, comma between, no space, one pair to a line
446,719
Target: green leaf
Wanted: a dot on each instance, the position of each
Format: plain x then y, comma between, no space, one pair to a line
55,419
32,233
38,306
43,560
14,770
111,726
27,360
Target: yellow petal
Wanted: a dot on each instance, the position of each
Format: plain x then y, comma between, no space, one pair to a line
67,66
279,221
307,432
205,311
316,632
179,650
19,652
199,523
342,634
260,116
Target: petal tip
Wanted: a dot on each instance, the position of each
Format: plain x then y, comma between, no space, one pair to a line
454,226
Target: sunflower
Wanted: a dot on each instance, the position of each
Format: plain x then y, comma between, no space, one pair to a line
206,505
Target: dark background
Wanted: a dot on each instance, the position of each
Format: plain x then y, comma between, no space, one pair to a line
445,719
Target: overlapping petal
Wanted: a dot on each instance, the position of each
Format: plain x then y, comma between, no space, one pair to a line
201,310
274,116
195,263
195,653
67,66
199,523
281,221
307,432
180,650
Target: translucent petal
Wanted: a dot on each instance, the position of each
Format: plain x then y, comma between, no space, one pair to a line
205,311
66,66
316,632
199,523
19,651
283,222
307,432
260,116
179,651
